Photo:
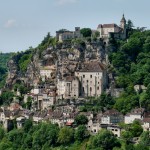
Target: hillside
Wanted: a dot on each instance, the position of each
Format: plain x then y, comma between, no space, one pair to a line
4,58
127,65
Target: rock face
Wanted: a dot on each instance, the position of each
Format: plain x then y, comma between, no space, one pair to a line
65,58
12,73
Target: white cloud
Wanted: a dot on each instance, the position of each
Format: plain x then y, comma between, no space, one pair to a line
63,2
10,23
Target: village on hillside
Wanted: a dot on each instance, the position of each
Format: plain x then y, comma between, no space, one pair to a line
66,79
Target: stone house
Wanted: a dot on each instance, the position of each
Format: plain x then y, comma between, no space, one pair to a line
93,78
20,122
68,88
39,116
64,34
49,100
116,130
146,124
93,126
113,30
112,117
57,118
134,114
46,72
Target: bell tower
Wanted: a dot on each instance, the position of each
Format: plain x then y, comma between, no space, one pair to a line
123,22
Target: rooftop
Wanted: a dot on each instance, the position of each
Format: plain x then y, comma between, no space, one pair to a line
93,67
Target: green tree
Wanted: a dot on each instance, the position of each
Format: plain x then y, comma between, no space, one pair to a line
145,138
126,136
86,32
29,102
81,133
65,135
104,140
27,125
81,120
2,133
47,133
6,97
136,129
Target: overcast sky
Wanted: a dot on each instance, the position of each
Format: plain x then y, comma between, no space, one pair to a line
24,23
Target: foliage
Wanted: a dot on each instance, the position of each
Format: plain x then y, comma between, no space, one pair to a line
104,140
6,97
4,57
86,32
131,66
145,138
28,125
81,120
24,62
81,133
65,135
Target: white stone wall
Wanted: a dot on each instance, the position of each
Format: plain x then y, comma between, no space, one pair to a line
61,88
92,83
116,131
130,118
45,73
105,120
68,89
48,102
146,126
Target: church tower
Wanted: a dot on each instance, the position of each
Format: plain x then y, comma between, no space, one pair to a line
123,22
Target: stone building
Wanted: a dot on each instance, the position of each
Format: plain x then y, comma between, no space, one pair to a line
112,117
68,88
93,78
137,113
113,30
64,34
46,72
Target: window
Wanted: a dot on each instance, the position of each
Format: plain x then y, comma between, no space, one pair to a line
90,76
83,89
83,76
90,89
87,81
98,88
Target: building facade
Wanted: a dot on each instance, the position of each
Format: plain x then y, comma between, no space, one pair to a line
113,30
68,88
64,34
93,79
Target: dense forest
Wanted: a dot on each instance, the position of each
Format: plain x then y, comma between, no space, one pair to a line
130,64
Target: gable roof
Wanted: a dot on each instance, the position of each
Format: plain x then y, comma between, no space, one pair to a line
92,67
112,25
111,112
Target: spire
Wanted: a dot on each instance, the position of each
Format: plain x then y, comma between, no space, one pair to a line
123,19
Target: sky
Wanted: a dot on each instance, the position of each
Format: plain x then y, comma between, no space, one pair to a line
24,23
